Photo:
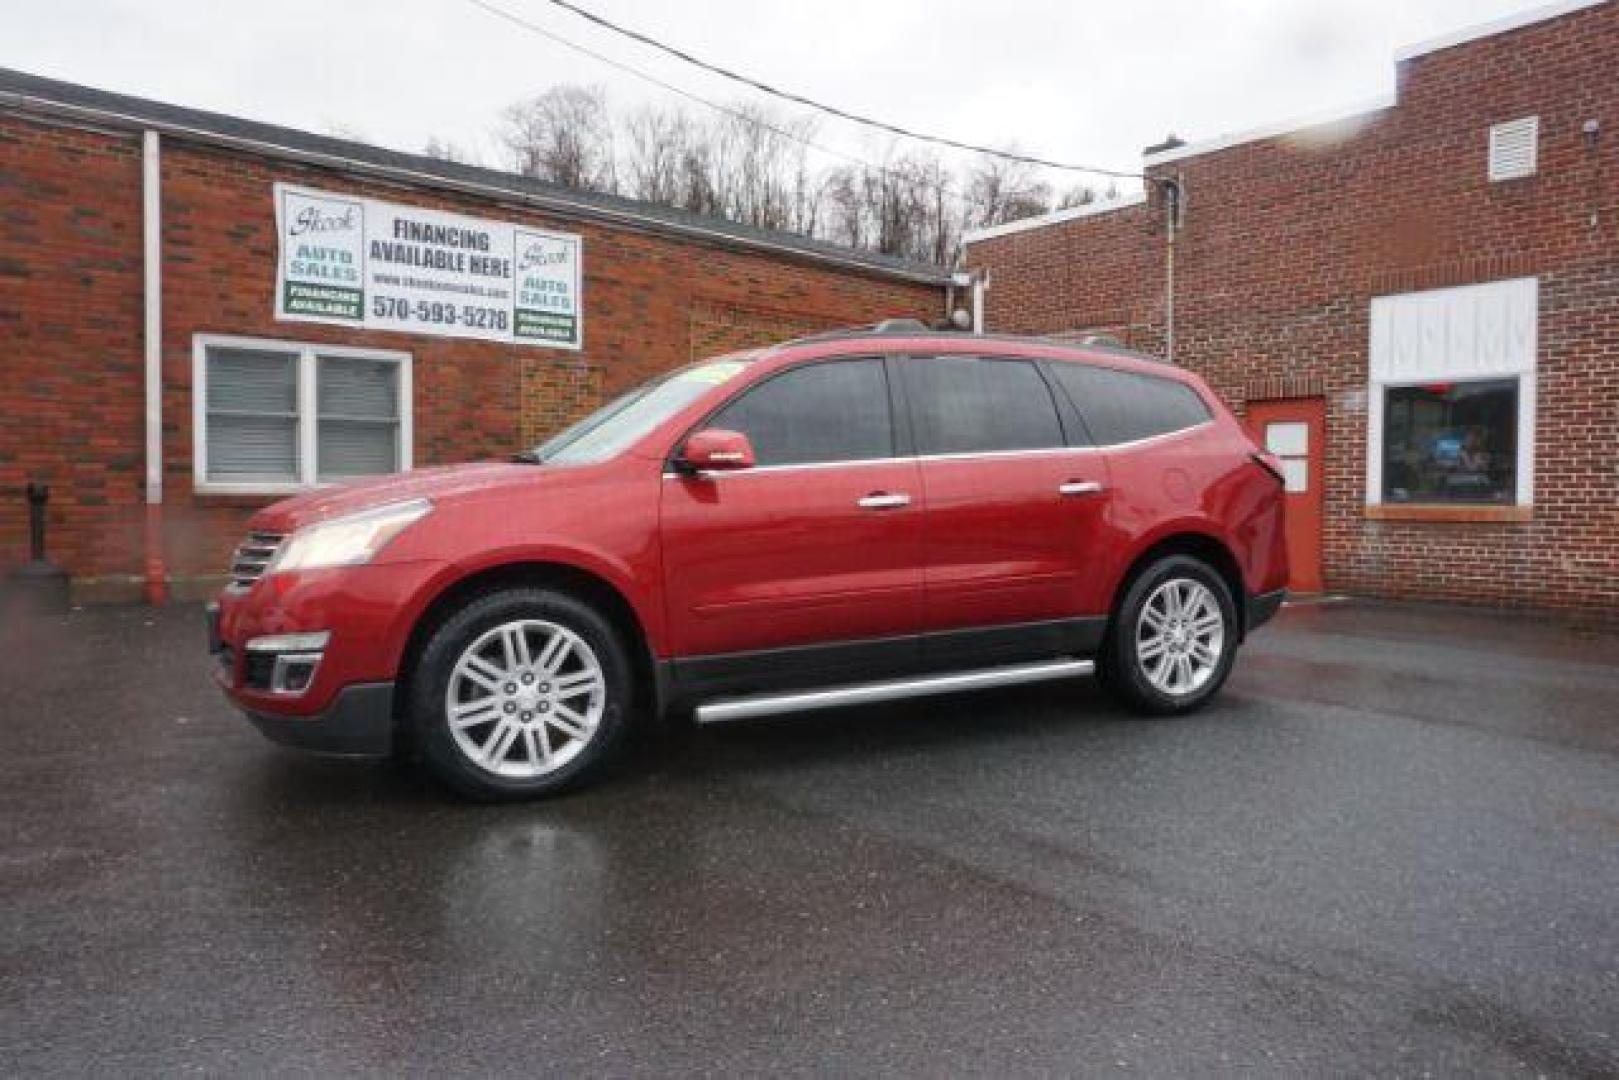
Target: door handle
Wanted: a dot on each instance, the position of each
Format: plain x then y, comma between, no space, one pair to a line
1080,487
882,500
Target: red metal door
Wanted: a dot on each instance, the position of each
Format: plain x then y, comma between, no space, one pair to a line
772,557
1009,536
1295,431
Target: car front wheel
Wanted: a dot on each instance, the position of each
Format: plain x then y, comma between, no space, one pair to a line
1175,637
523,692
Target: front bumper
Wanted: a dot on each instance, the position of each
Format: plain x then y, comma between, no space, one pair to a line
338,698
358,723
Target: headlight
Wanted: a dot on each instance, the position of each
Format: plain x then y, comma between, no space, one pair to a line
349,540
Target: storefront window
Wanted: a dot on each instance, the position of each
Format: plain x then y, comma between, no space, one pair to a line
1450,442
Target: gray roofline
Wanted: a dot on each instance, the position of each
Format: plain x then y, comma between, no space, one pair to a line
26,93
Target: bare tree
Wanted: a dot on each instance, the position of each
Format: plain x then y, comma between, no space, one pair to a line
939,211
761,166
1003,191
843,195
750,166
908,206
445,150
657,144
754,165
564,135
1078,195
699,192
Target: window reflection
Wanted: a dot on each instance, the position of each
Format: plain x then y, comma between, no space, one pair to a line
1451,442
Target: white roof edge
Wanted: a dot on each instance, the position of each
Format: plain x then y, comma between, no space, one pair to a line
1056,217
1495,26
1458,37
1272,130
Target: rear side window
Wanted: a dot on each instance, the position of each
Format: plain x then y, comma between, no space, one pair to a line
834,411
1122,406
965,405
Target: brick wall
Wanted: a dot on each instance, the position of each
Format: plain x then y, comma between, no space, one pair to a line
70,314
555,393
718,328
1287,240
70,341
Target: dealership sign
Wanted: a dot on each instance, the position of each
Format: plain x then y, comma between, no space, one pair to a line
383,266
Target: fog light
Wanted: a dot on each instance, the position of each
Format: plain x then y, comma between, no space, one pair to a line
313,642
293,672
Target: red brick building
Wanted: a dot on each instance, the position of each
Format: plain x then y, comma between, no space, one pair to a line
142,259
1417,303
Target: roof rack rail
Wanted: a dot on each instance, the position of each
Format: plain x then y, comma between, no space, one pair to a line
886,326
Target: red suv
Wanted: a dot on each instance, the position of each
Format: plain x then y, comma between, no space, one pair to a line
855,517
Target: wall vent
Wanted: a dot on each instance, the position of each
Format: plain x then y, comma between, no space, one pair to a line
1513,146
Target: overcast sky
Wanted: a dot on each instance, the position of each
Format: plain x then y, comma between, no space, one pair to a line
1075,80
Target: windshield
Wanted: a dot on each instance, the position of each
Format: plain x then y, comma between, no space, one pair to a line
618,424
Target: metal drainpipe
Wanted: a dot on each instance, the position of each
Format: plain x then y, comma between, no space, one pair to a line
1174,192
980,283
1169,296
152,287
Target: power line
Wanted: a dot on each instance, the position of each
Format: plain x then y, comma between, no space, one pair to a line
832,110
738,114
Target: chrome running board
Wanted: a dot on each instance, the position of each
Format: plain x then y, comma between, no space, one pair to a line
745,708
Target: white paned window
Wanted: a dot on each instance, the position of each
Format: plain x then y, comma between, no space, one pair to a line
1296,475
1514,148
1290,441
275,417
1451,406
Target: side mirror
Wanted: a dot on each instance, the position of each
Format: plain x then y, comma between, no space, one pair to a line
717,450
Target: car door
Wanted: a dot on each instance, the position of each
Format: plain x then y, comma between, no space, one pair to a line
1014,500
819,543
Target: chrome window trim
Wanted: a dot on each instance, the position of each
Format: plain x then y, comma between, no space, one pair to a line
714,473
970,456
973,455
1160,437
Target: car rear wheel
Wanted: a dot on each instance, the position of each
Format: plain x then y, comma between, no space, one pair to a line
1174,639
523,692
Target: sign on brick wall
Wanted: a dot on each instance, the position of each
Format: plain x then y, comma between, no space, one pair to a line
382,266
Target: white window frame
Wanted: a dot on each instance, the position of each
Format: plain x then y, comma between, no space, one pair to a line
1455,368
308,409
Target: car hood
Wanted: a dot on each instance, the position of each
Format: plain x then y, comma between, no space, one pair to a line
439,483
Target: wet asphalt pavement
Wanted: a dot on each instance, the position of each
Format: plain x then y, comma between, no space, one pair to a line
1392,846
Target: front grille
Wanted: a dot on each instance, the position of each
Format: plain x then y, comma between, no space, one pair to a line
252,556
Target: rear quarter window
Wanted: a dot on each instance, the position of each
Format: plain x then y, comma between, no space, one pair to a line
973,405
1123,406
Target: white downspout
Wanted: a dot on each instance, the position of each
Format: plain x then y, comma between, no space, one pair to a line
980,280
152,288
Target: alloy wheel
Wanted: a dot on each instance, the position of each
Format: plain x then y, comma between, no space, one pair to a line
1180,636
525,698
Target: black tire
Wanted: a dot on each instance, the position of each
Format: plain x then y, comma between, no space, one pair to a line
428,689
1122,670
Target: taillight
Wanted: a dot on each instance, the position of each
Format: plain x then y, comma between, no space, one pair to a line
1270,463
